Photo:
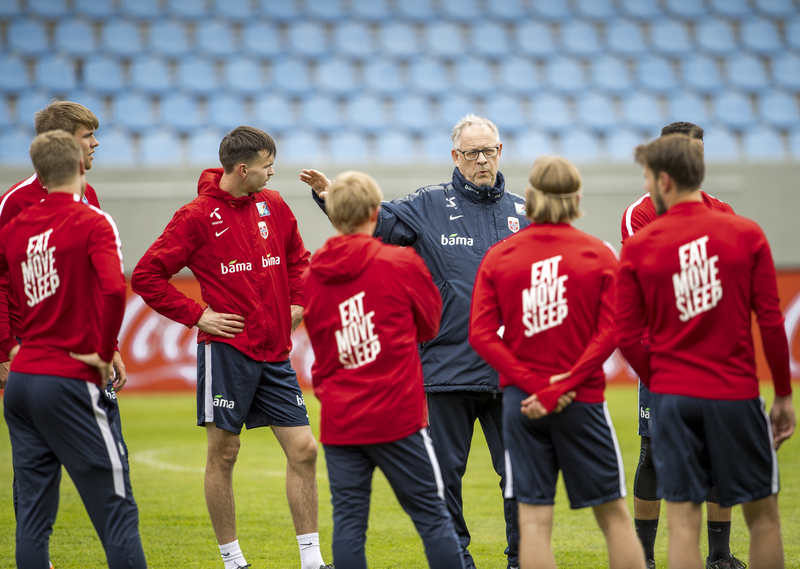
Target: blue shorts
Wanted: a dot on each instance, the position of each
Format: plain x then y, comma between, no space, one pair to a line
644,410
580,441
235,390
697,443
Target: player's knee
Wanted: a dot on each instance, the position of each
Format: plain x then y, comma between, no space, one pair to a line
305,452
225,453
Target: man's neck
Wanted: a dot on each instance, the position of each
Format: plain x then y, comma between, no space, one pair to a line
682,197
232,184
73,188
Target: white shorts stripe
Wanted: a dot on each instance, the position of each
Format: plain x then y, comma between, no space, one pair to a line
437,473
508,493
774,485
208,408
105,430
629,213
620,467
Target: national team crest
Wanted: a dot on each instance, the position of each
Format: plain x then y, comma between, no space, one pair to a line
262,228
520,207
263,210
513,224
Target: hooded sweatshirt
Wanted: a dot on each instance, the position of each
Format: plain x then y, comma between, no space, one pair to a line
248,257
367,307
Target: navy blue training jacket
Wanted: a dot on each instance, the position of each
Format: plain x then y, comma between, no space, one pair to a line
452,226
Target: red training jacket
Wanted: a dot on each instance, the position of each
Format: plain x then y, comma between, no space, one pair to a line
65,264
552,287
367,306
694,275
17,199
248,257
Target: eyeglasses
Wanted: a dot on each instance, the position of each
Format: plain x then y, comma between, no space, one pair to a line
490,152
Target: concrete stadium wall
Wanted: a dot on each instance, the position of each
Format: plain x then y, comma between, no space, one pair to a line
143,201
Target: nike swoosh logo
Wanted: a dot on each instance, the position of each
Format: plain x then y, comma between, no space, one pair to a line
226,554
306,544
221,232
456,217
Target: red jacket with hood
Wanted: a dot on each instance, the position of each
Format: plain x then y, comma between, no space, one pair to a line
367,306
248,257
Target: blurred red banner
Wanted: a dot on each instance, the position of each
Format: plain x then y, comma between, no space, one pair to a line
161,355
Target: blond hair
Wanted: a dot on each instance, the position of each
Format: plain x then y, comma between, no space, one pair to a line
64,115
56,155
553,188
351,199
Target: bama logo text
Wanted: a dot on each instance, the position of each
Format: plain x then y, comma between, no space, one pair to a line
236,267
454,239
220,402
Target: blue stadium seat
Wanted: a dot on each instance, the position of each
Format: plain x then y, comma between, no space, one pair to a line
626,37
461,10
656,74
280,10
144,9
301,147
292,75
506,10
473,75
641,9
490,39
103,74
506,113
399,39
555,10
428,75
536,39
274,113
529,145
353,39
169,38
151,75
261,38
321,113
48,8
93,102
611,74
776,8
29,105
370,10
337,76
244,75
14,72
186,9
565,75
27,36
551,113
96,9
444,39
134,112
14,145
436,146
734,110
601,10
226,111
597,113
56,73
792,31
367,113
643,112
761,36
779,109
687,9
215,37
348,147
763,143
670,37
395,148
204,146
5,114
234,10
181,112
720,145
794,143
10,9
580,38
620,144
121,38
383,76
702,73
455,107
161,148
307,38
715,36
413,113
325,10
416,10
685,106
786,71
581,146
747,72
520,75
731,8
75,37
197,75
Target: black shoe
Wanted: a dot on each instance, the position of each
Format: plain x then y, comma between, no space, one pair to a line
651,564
727,561
326,566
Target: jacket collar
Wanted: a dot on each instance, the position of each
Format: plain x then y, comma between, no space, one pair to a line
479,194
208,185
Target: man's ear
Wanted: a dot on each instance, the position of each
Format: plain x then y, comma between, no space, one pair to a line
454,154
241,170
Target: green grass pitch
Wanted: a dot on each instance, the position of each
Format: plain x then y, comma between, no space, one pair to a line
167,459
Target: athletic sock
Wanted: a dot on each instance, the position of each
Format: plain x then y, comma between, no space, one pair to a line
310,556
719,540
646,530
232,555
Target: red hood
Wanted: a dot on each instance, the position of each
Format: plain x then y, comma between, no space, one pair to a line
344,257
208,185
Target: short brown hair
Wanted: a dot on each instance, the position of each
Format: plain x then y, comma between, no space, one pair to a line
689,128
553,186
351,199
242,145
676,155
64,115
56,155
